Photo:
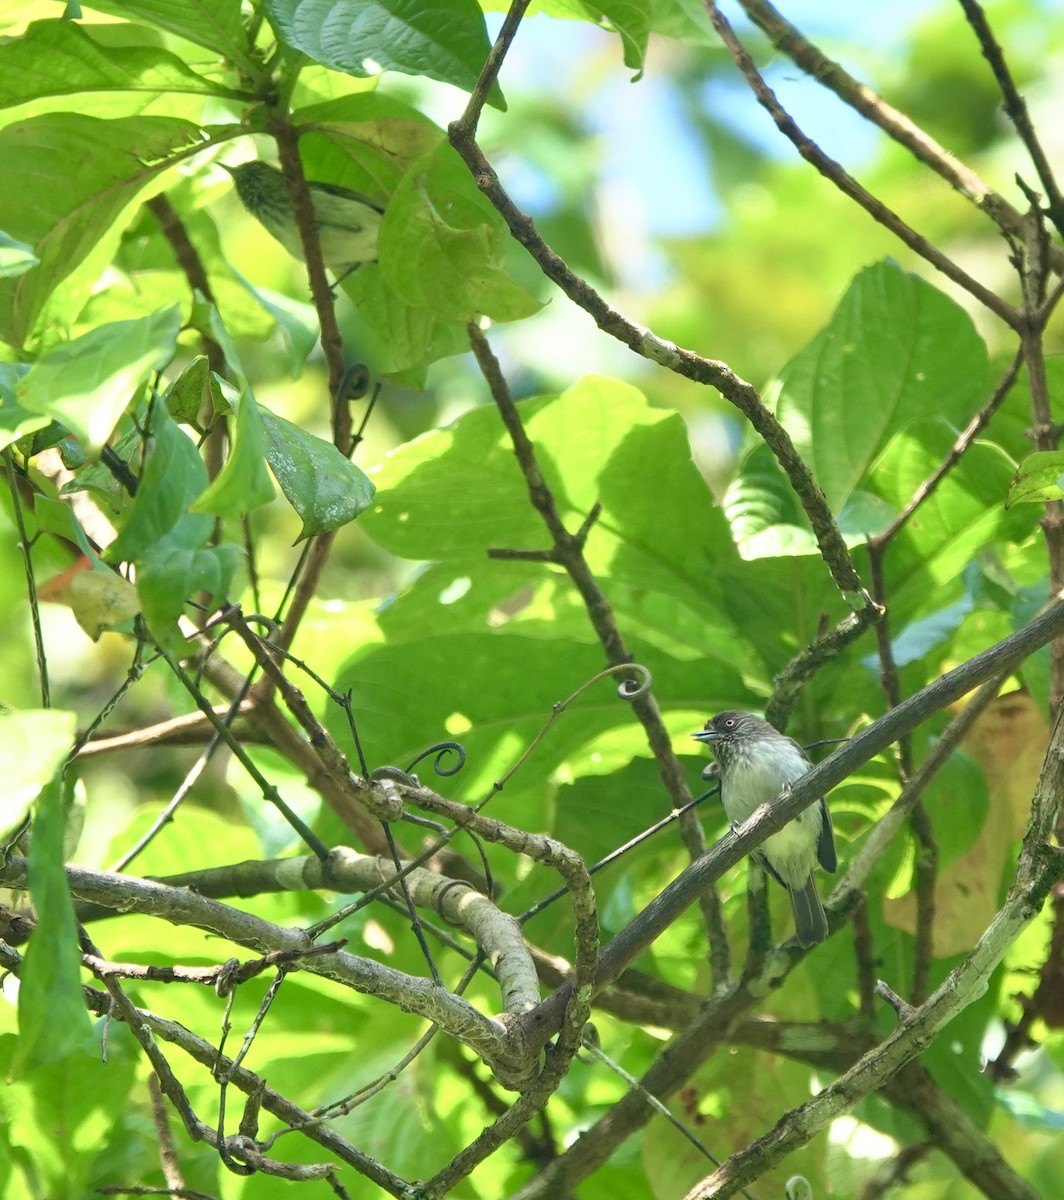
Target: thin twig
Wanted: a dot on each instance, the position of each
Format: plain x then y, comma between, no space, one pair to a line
1038,870
709,372
845,182
223,731
1016,108
804,665
659,914
31,581
168,1158
570,554
956,452
830,74
489,74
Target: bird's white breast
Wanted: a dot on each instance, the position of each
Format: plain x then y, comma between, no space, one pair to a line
758,779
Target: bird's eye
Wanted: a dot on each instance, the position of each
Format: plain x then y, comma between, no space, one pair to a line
729,722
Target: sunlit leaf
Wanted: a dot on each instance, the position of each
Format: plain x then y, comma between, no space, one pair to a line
243,483
53,1022
326,489
896,349
87,384
78,62
33,746
73,212
443,39
1039,478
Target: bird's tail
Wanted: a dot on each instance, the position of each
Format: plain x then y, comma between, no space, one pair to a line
810,923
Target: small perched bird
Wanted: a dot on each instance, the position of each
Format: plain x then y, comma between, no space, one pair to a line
755,763
347,221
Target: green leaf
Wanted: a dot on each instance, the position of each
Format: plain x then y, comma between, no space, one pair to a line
15,421
896,351
402,336
243,483
326,489
443,39
169,573
442,245
67,181
216,24
16,258
460,489
501,689
33,747
184,397
453,494
173,477
53,516
55,1121
695,12
964,514
296,320
588,818
53,1022
957,802
767,520
1040,477
632,24
101,599
423,512
79,63
365,142
87,384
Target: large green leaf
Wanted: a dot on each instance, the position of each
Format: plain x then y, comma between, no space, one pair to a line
65,181
402,337
500,692
77,62
33,746
53,1022
326,489
217,24
660,548
442,245
86,384
243,483
896,351
172,479
964,514
767,520
366,141
443,39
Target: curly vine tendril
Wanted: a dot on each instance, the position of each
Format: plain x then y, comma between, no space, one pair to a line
440,751
628,690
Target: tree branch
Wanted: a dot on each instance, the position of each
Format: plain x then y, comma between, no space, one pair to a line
845,182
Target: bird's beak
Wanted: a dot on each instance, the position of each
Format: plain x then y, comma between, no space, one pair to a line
706,735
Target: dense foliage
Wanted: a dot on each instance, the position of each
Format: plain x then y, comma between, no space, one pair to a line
437,566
